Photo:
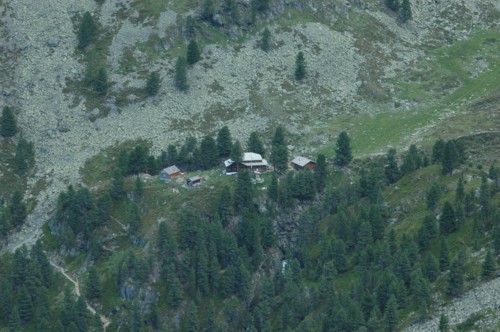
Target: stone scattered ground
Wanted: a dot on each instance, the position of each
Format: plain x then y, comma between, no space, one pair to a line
482,299
237,85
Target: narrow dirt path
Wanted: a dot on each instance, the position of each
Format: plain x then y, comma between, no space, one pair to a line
105,321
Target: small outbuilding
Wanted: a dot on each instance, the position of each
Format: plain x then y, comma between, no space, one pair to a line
169,173
194,181
301,163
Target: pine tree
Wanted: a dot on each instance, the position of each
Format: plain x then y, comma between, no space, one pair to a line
87,32
433,195
450,158
431,267
243,193
455,278
224,206
343,154
192,323
279,153
181,74
25,305
231,8
117,190
153,84
488,266
300,66
208,153
8,123
255,145
265,42
391,315
320,173
208,11
447,220
236,153
443,323
391,169
15,321
460,191
224,142
139,188
438,151
24,157
93,284
17,209
444,255
392,5
406,13
101,83
193,54
272,191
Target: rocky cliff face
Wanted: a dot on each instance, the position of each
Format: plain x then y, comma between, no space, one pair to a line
235,84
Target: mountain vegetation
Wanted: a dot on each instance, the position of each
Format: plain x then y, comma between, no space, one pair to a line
116,212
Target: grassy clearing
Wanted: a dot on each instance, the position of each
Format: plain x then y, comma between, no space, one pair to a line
100,167
451,70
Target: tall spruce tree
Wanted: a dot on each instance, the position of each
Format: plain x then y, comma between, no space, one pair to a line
343,153
392,5
255,145
87,31
101,82
300,66
8,123
447,220
153,84
265,42
224,142
320,173
279,153
488,267
193,54
180,78
406,13
391,169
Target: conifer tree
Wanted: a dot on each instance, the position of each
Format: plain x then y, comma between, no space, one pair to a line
17,209
208,10
488,266
443,323
153,84
93,284
279,153
224,206
392,5
101,83
255,145
181,74
236,153
193,54
343,154
406,13
444,255
320,173
87,32
8,123
455,278
15,320
391,169
224,142
433,195
300,66
431,267
209,153
272,191
265,42
447,220
243,193
391,315
438,151
25,305
117,185
24,157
